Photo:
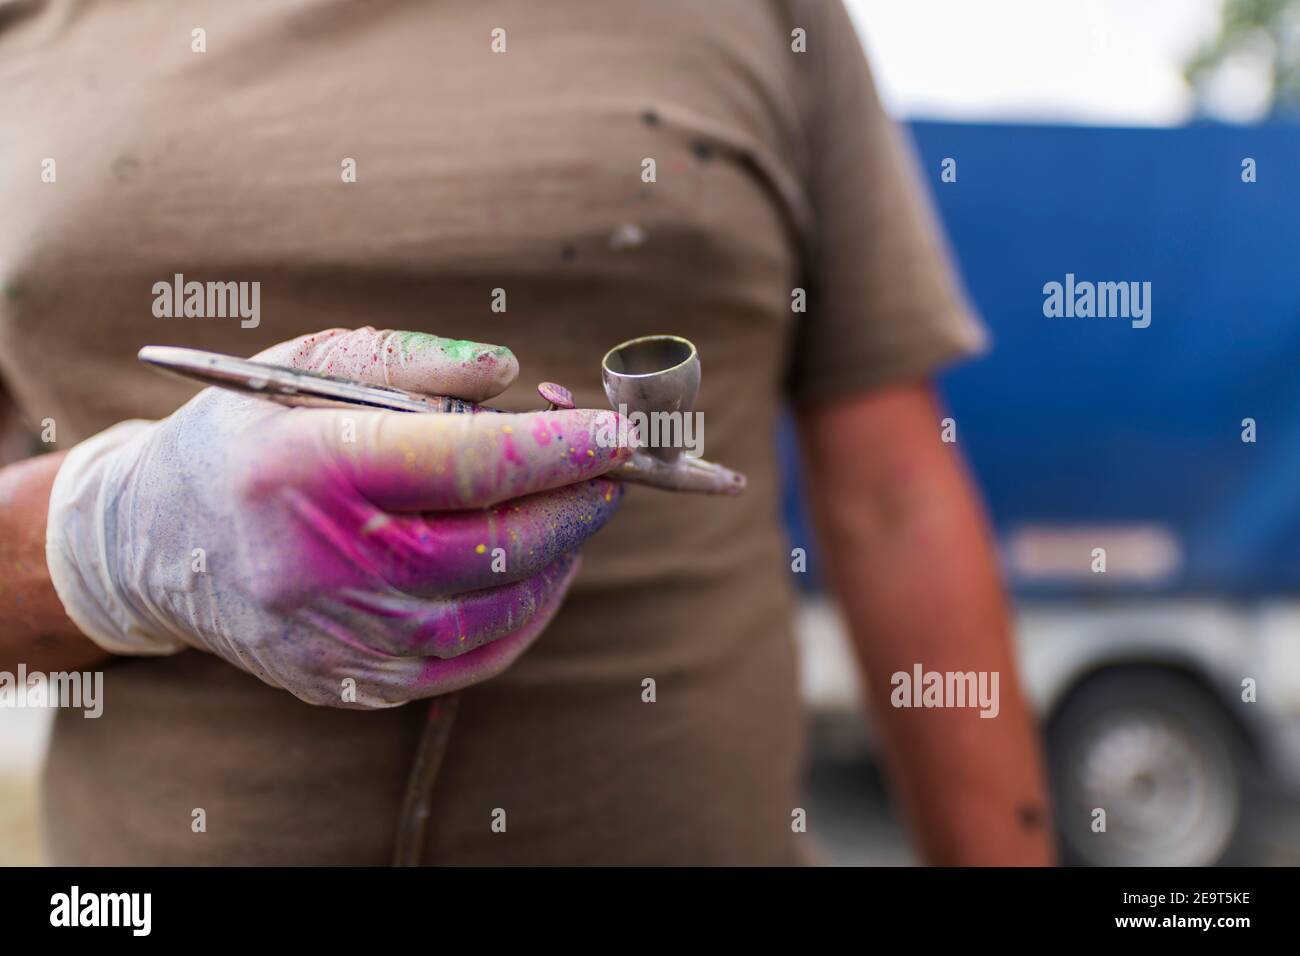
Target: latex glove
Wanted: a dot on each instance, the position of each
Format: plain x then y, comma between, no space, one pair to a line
411,554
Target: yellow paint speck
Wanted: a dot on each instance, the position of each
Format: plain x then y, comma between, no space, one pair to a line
480,549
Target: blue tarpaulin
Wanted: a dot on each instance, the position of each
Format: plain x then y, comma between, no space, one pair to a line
1089,422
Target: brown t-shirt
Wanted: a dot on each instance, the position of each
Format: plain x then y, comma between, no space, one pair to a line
476,170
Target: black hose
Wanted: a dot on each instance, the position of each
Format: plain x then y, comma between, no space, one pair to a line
417,805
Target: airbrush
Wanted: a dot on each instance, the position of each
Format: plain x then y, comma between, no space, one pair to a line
650,377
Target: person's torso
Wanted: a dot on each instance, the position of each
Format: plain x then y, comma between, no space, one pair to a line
500,194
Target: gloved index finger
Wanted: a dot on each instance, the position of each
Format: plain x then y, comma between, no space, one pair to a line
448,462
414,361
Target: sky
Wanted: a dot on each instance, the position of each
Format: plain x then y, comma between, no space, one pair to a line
1108,62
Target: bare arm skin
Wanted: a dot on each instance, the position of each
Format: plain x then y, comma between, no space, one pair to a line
911,560
33,628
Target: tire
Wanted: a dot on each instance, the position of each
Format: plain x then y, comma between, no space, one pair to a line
1160,755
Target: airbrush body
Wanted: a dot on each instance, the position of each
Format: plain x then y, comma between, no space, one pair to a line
657,375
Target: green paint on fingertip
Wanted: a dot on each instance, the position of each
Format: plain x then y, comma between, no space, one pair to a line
461,350
458,350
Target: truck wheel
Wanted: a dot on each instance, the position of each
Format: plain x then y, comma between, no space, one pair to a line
1157,753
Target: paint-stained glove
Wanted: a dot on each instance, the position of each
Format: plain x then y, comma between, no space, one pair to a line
354,558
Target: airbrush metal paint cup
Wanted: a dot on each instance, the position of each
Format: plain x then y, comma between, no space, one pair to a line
658,375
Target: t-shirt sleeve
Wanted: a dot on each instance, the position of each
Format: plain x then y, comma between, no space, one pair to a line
883,301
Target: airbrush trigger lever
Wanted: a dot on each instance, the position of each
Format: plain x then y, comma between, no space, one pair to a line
556,396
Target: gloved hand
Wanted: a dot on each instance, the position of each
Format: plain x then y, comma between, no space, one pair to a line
414,554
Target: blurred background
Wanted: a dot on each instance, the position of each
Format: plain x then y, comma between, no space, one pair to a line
1103,138
1107,139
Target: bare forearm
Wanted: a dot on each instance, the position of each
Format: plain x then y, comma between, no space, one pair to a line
911,560
35,630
